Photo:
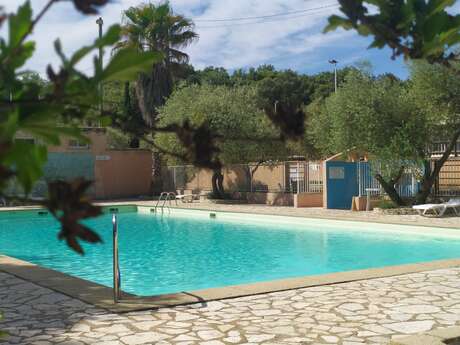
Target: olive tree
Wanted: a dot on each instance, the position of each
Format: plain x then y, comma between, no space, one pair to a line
243,132
435,90
377,117
416,30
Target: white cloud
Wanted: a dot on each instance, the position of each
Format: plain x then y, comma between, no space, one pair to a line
286,42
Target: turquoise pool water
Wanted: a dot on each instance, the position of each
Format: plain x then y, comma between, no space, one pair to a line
170,254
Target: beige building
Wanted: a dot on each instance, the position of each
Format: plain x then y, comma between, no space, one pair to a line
116,173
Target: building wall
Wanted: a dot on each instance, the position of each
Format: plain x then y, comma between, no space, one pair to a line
308,200
62,166
267,178
121,174
270,178
116,173
98,142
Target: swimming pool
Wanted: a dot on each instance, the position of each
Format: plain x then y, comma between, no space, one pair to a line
189,250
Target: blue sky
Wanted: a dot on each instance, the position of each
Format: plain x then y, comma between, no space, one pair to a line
293,41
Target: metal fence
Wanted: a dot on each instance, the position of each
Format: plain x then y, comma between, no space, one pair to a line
438,148
306,177
406,187
279,177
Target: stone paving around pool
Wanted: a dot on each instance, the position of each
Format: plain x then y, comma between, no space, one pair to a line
370,312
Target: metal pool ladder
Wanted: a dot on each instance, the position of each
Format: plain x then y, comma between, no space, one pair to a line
168,196
116,264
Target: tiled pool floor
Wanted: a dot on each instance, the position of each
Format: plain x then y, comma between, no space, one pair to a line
369,311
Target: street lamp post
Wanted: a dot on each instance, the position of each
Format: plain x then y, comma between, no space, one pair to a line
100,22
334,62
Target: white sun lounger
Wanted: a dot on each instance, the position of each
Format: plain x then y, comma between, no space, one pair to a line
185,197
438,210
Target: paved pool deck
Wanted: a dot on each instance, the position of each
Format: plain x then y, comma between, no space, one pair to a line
369,311
364,312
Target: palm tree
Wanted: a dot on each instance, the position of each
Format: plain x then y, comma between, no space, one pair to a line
150,27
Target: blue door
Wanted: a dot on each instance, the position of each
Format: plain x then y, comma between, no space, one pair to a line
342,184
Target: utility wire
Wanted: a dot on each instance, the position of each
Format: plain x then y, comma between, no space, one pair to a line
265,16
317,10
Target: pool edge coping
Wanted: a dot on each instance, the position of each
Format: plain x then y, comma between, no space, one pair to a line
102,296
346,218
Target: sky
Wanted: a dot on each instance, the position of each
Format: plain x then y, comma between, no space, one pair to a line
293,41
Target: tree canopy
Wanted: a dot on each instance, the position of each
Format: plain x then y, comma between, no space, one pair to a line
375,116
425,30
419,29
243,132
150,27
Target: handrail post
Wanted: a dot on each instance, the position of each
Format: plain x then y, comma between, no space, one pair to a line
116,266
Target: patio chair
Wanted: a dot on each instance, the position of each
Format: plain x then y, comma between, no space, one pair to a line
438,210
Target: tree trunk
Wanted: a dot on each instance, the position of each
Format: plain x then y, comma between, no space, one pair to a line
390,190
157,181
389,187
218,184
152,90
250,173
426,184
430,177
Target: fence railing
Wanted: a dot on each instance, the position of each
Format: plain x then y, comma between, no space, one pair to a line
306,177
439,148
407,186
284,177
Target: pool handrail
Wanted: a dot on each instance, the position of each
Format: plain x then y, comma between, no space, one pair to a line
159,199
167,198
116,264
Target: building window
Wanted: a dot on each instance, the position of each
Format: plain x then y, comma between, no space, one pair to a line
75,144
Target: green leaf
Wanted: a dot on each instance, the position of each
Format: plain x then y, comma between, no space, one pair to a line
128,63
9,127
111,37
335,22
19,24
105,121
80,54
23,54
434,25
439,5
363,30
377,43
27,160
58,49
